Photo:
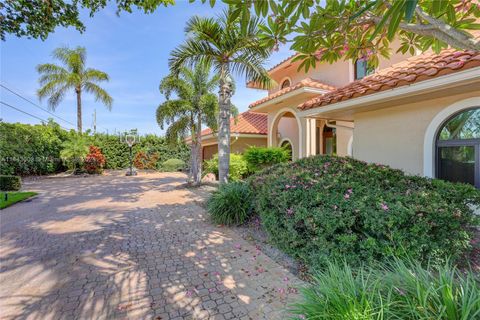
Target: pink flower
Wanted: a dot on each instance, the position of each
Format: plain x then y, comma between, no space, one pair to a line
238,246
281,290
290,212
384,206
189,293
212,290
302,317
335,207
346,196
285,279
350,191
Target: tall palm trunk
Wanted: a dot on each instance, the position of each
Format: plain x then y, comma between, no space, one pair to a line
79,109
197,153
224,124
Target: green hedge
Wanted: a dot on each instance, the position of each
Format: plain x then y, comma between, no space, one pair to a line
259,158
35,149
31,149
10,183
325,207
238,166
173,165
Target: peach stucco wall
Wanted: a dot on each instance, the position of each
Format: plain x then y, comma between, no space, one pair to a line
237,146
395,136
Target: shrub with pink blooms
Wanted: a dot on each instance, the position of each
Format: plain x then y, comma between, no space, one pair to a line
325,208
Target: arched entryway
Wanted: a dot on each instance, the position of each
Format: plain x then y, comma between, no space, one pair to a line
287,145
285,126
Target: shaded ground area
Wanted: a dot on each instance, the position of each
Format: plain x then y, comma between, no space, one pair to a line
112,247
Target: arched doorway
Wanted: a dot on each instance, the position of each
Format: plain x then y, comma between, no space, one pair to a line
287,145
458,148
286,127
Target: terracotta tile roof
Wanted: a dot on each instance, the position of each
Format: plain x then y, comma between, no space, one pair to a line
415,69
307,82
283,61
247,122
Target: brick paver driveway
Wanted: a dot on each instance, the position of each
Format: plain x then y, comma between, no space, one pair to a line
130,248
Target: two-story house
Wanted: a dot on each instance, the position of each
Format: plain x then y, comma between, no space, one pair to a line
417,113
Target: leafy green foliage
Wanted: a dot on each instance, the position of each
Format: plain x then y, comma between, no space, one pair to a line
325,207
35,149
259,158
56,80
31,149
331,30
74,152
38,19
10,183
173,165
14,197
397,290
231,204
238,166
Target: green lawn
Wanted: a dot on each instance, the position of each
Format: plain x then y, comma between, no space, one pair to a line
14,197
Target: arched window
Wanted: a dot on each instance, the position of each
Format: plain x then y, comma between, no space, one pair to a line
458,148
285,83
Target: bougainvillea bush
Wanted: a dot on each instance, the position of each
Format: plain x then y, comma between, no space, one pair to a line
94,161
326,208
146,160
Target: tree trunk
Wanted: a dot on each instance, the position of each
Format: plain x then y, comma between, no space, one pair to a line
79,109
196,153
224,124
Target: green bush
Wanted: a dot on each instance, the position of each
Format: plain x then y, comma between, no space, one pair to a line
10,183
31,149
173,165
327,207
399,290
259,158
238,166
231,204
35,149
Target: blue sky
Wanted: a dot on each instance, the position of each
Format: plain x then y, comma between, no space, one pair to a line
133,49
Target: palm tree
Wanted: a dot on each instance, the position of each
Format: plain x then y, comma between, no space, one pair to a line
229,48
195,104
57,80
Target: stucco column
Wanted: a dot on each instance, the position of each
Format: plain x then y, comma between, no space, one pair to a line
307,137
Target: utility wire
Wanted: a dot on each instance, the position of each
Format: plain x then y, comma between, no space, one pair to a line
31,115
36,105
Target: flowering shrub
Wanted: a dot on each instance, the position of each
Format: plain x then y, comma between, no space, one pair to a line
94,161
326,207
146,160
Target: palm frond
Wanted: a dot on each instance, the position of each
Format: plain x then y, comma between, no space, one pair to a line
169,110
74,59
57,96
99,93
193,52
178,130
94,75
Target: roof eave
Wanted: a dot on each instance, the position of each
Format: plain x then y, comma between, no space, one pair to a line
287,95
469,75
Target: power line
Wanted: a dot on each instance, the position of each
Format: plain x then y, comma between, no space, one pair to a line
31,115
36,105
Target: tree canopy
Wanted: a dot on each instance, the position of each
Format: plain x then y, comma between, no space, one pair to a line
329,30
38,18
